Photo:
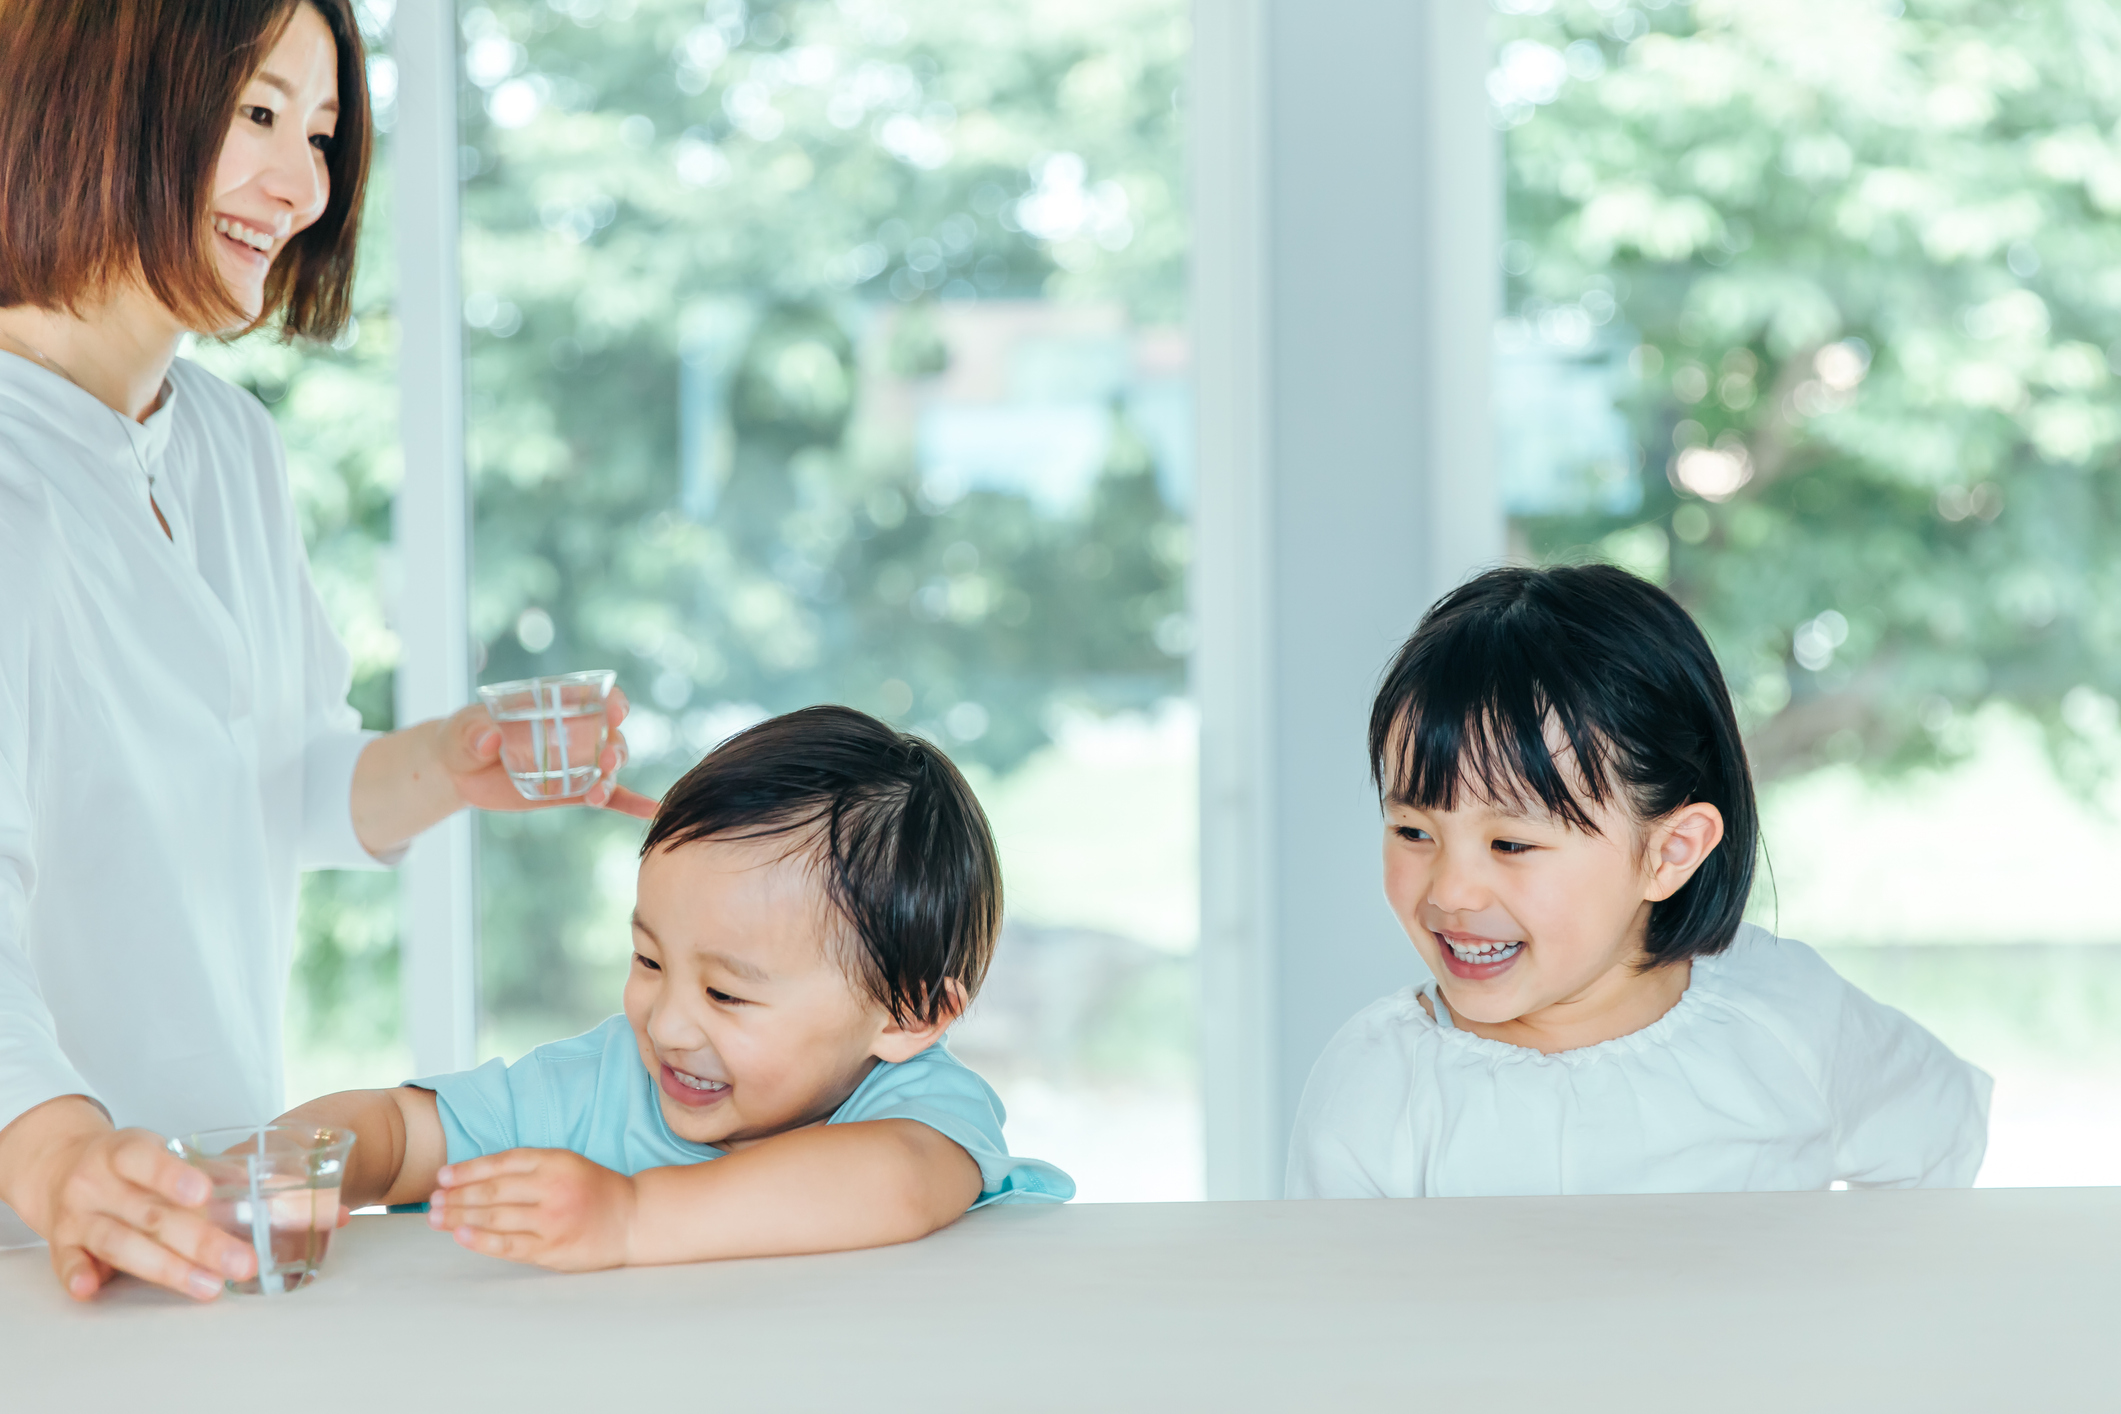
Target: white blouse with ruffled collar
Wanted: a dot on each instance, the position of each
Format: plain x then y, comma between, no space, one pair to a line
1771,1072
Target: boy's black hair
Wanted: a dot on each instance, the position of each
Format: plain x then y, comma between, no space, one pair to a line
1614,665
900,841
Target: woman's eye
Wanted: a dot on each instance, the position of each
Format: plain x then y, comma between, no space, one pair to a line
258,113
648,962
1510,847
323,142
724,998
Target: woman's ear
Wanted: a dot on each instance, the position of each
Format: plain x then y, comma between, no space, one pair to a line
1679,843
902,1041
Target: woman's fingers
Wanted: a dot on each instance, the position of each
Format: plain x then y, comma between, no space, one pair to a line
141,1159
128,1249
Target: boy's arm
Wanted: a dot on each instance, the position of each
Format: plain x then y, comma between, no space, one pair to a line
826,1188
399,1147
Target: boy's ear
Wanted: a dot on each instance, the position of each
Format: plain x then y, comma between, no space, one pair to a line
902,1041
1679,844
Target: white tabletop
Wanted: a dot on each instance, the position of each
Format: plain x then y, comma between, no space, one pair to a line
1941,1301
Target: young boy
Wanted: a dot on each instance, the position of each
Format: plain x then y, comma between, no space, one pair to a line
818,901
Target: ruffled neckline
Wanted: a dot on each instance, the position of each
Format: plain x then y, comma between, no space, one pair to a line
1701,988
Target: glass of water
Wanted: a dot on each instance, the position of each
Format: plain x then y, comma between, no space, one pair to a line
553,729
277,1188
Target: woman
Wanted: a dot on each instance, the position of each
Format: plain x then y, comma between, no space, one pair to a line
175,741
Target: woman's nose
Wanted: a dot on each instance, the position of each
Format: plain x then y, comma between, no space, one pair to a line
296,179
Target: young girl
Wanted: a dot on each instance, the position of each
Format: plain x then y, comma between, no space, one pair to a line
1569,842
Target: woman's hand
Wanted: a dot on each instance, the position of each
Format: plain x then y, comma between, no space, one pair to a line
410,779
551,1207
469,745
116,1201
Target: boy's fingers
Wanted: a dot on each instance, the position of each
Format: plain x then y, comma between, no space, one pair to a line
508,1188
487,1166
513,1247
508,1217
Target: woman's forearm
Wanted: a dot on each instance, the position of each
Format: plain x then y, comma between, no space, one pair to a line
401,787
825,1189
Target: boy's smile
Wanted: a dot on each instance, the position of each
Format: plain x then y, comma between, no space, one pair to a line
694,1091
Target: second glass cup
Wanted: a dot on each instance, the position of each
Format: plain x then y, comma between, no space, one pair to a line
553,729
277,1189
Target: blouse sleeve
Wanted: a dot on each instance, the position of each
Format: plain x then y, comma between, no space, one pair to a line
1352,1124
33,1068
332,737
1908,1113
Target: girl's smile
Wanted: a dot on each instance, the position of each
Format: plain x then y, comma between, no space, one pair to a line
1477,959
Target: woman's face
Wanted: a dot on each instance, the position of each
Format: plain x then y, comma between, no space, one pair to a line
272,181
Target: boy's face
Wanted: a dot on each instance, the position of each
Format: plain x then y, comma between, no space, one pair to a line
747,1022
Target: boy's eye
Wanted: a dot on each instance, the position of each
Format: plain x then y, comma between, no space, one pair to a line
1510,847
723,998
648,962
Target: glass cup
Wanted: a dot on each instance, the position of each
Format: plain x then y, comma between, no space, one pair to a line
553,729
277,1188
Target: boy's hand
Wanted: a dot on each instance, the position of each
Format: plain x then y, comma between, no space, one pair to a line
551,1207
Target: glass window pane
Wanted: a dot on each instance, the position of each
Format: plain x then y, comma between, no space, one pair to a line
336,409
1808,315
834,352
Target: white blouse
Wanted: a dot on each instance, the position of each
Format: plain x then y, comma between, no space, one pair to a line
175,744
1770,1072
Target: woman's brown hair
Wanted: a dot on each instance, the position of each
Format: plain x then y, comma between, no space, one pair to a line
112,118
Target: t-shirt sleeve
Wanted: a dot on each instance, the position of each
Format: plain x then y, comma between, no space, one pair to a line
1908,1113
1352,1118
938,1090
479,1108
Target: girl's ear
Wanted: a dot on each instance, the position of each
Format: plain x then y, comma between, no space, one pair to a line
900,1041
1679,843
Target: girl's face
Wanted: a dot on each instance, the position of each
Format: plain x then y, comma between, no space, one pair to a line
272,182
1523,918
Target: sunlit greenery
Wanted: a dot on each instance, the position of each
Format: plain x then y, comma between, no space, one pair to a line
1857,271
797,191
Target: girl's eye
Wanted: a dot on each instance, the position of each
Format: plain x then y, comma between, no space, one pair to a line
724,998
258,113
323,142
648,962
1410,834
1510,847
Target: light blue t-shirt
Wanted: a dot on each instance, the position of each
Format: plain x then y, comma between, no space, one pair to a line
590,1093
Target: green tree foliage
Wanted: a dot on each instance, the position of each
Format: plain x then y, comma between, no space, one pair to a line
1865,268
780,201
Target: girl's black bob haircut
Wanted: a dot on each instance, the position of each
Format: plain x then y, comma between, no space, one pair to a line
899,840
1612,666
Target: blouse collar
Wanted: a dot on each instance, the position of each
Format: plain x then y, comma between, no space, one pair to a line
132,448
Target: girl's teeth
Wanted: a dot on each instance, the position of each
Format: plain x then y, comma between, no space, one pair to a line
693,1082
1487,952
